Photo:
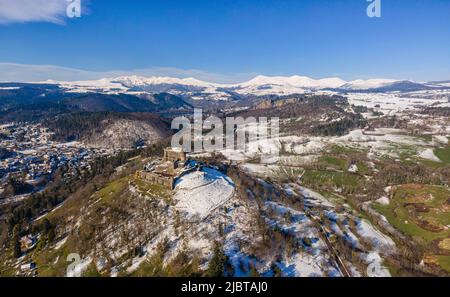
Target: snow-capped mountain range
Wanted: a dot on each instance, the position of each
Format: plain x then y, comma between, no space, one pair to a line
260,85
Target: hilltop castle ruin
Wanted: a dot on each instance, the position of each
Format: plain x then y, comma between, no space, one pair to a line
167,171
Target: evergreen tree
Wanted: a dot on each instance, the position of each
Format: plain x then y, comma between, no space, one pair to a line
216,266
48,229
276,270
253,271
17,252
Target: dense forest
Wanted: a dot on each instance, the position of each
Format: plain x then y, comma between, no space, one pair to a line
437,111
75,126
35,102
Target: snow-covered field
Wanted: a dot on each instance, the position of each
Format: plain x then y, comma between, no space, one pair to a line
390,103
429,155
200,192
383,141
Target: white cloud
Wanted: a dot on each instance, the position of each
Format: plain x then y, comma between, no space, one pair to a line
10,72
23,11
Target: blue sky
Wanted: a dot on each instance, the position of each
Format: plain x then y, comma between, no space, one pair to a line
226,40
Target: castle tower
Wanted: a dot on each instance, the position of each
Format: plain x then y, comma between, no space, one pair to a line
174,155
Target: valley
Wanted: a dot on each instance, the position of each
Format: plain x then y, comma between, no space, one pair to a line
360,186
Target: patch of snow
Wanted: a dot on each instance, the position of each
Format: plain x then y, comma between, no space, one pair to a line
429,155
78,270
380,241
383,200
440,139
308,193
60,243
375,268
304,265
199,193
353,168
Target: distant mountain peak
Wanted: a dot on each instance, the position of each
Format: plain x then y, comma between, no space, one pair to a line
135,80
196,89
361,84
296,81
